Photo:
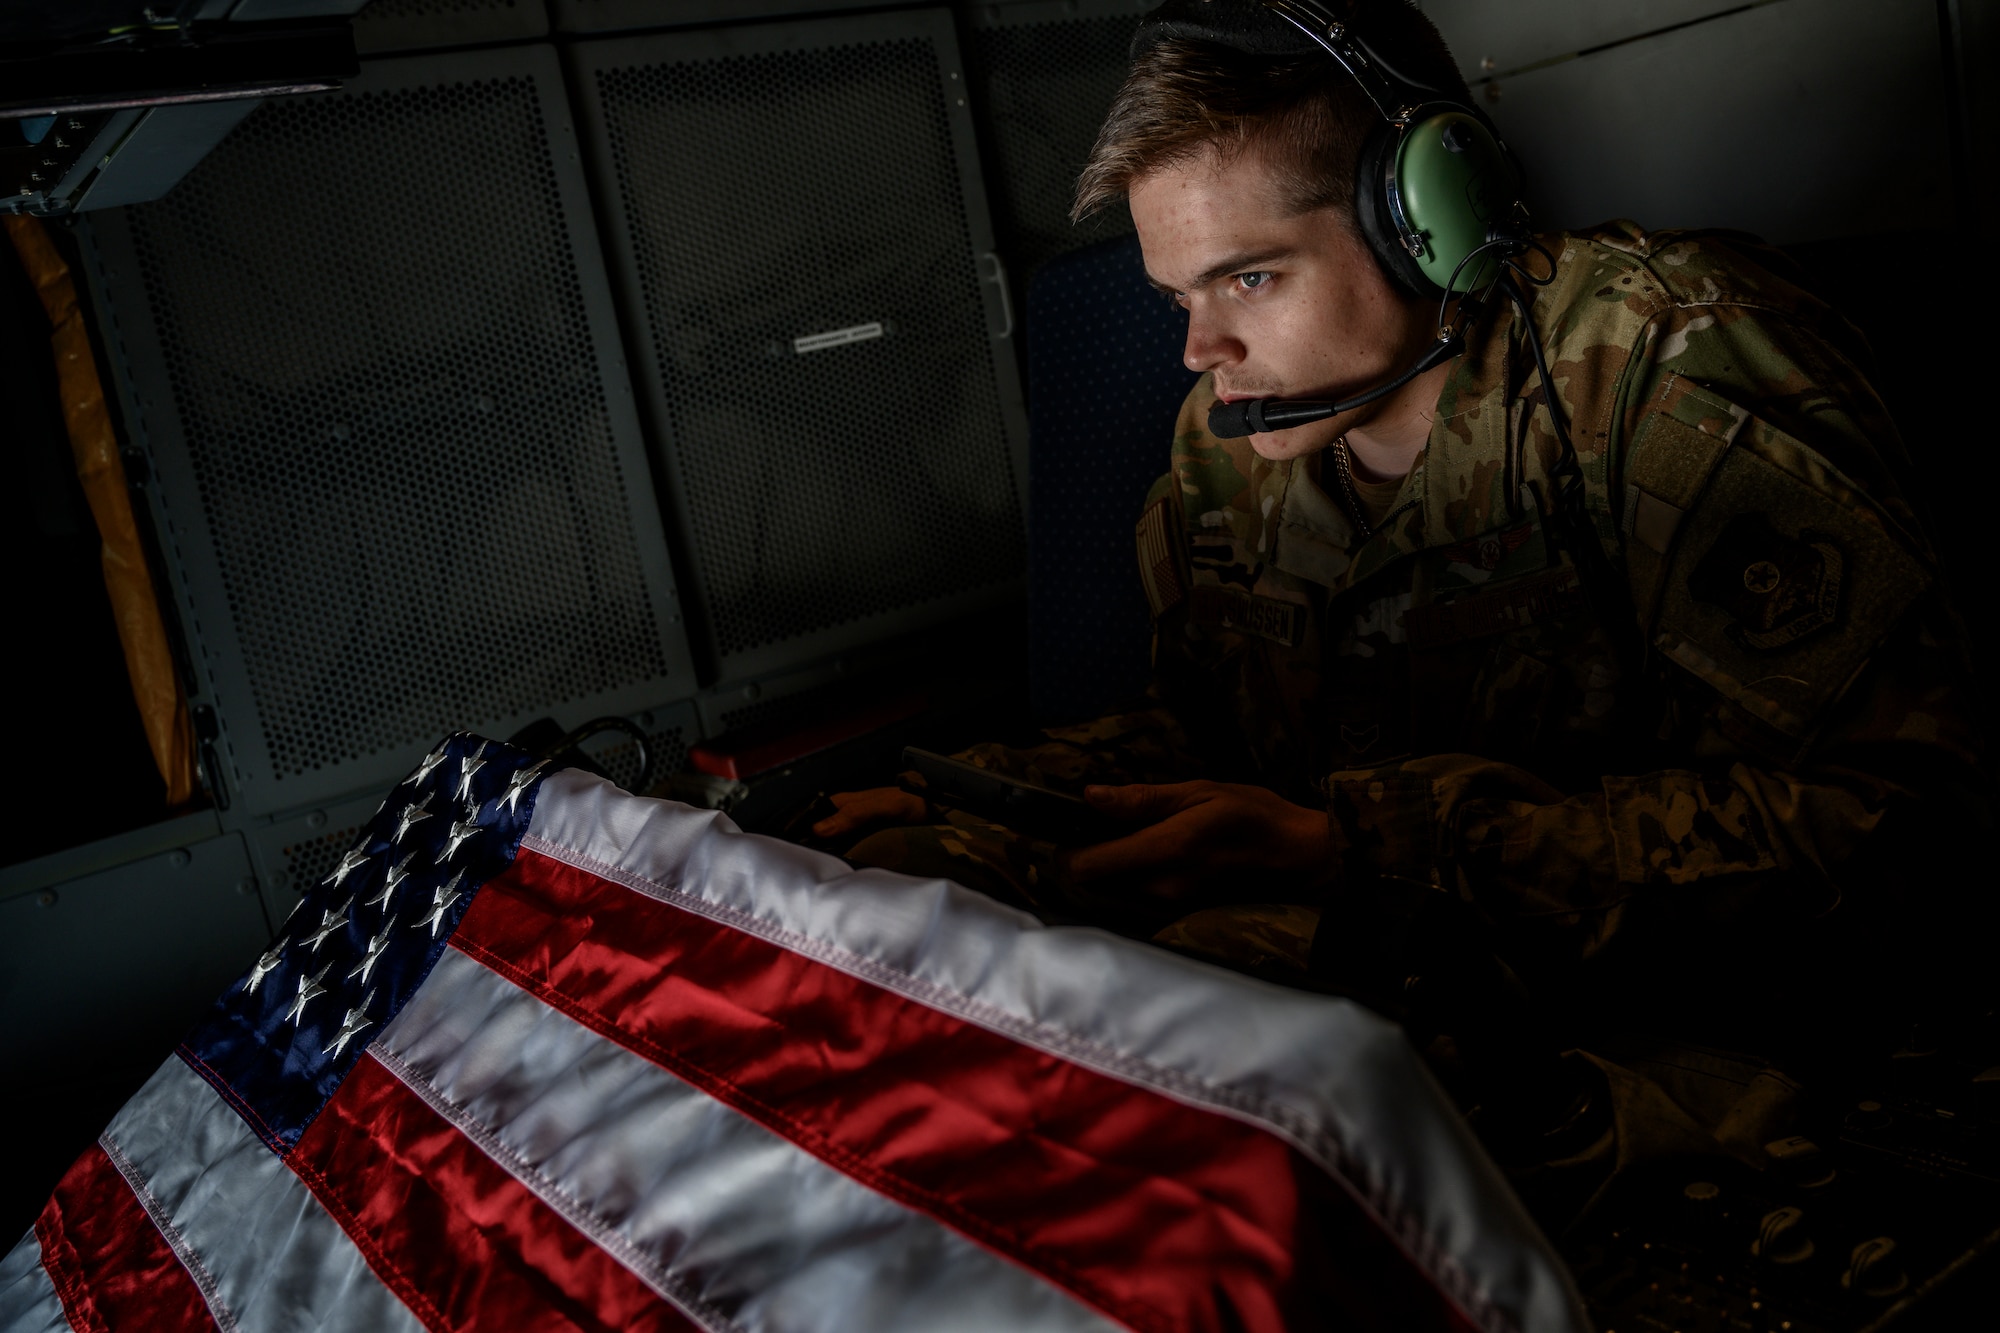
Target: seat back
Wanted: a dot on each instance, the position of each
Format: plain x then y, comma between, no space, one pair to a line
1105,381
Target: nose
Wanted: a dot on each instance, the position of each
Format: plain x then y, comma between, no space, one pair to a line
1210,343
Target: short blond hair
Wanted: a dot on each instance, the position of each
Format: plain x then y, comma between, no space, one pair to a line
1186,97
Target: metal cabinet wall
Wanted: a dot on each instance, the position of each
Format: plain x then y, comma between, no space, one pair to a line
801,241
369,351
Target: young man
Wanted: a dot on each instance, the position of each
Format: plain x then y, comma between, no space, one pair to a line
1668,808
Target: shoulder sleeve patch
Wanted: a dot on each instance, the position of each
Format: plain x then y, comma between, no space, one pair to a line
1775,592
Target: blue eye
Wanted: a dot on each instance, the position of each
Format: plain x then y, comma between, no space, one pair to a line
1252,281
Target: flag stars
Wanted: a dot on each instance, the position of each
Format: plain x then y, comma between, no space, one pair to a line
466,769
414,812
376,945
329,922
441,902
520,782
397,874
459,833
349,863
310,989
431,761
357,1019
264,966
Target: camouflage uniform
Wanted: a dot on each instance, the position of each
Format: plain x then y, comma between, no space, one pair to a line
1786,677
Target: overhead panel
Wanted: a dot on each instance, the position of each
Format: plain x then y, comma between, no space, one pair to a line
1797,120
625,15
1043,76
407,25
368,350
1491,38
800,235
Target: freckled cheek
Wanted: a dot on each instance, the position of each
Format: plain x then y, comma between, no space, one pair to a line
1298,347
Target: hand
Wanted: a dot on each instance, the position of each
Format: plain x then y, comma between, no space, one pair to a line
856,810
1200,833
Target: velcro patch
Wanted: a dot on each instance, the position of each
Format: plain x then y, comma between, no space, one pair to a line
1671,461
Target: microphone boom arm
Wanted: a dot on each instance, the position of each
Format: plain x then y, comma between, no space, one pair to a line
1258,416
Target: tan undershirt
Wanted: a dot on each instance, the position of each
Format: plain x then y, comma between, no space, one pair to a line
1375,498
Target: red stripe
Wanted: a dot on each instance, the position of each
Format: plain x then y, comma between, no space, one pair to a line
1160,1214
460,1241
111,1267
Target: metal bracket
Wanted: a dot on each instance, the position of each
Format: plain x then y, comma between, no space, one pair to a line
991,270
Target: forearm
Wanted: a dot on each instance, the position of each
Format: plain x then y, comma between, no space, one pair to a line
1146,745
1564,867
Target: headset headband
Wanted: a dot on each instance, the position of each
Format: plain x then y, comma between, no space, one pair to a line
1332,36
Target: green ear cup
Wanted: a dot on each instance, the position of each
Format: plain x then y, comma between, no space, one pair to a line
1449,183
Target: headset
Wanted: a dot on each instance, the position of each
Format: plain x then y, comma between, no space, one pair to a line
1438,198
1437,193
1435,186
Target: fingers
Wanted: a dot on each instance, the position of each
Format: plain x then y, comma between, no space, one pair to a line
1143,802
854,810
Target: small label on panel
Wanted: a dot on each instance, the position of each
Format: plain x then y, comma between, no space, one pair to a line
819,342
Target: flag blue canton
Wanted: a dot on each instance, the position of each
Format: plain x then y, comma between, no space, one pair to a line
360,943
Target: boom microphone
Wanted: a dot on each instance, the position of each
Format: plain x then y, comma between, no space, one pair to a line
1256,416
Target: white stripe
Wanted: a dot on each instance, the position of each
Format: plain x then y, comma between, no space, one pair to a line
28,1300
1335,1080
276,1257
163,1222
736,1226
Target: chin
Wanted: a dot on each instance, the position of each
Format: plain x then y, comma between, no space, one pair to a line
1280,445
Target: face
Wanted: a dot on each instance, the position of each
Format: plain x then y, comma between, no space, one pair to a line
1279,304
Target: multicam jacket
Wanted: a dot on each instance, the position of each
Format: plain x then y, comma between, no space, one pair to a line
1787,671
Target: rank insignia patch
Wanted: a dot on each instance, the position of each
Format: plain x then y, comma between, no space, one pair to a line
1778,589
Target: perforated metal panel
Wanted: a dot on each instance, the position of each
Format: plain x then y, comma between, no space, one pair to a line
1043,75
797,227
368,347
405,25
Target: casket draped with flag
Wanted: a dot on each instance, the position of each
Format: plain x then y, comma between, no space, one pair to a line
539,1054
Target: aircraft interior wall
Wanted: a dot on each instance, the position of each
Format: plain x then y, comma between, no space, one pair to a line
665,359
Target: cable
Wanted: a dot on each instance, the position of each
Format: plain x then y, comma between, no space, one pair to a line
1475,301
1569,514
625,727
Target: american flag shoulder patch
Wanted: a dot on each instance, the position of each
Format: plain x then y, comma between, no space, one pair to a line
1159,558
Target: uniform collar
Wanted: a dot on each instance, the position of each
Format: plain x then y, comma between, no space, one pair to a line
1458,488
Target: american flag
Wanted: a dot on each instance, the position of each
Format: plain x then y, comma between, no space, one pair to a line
539,1054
